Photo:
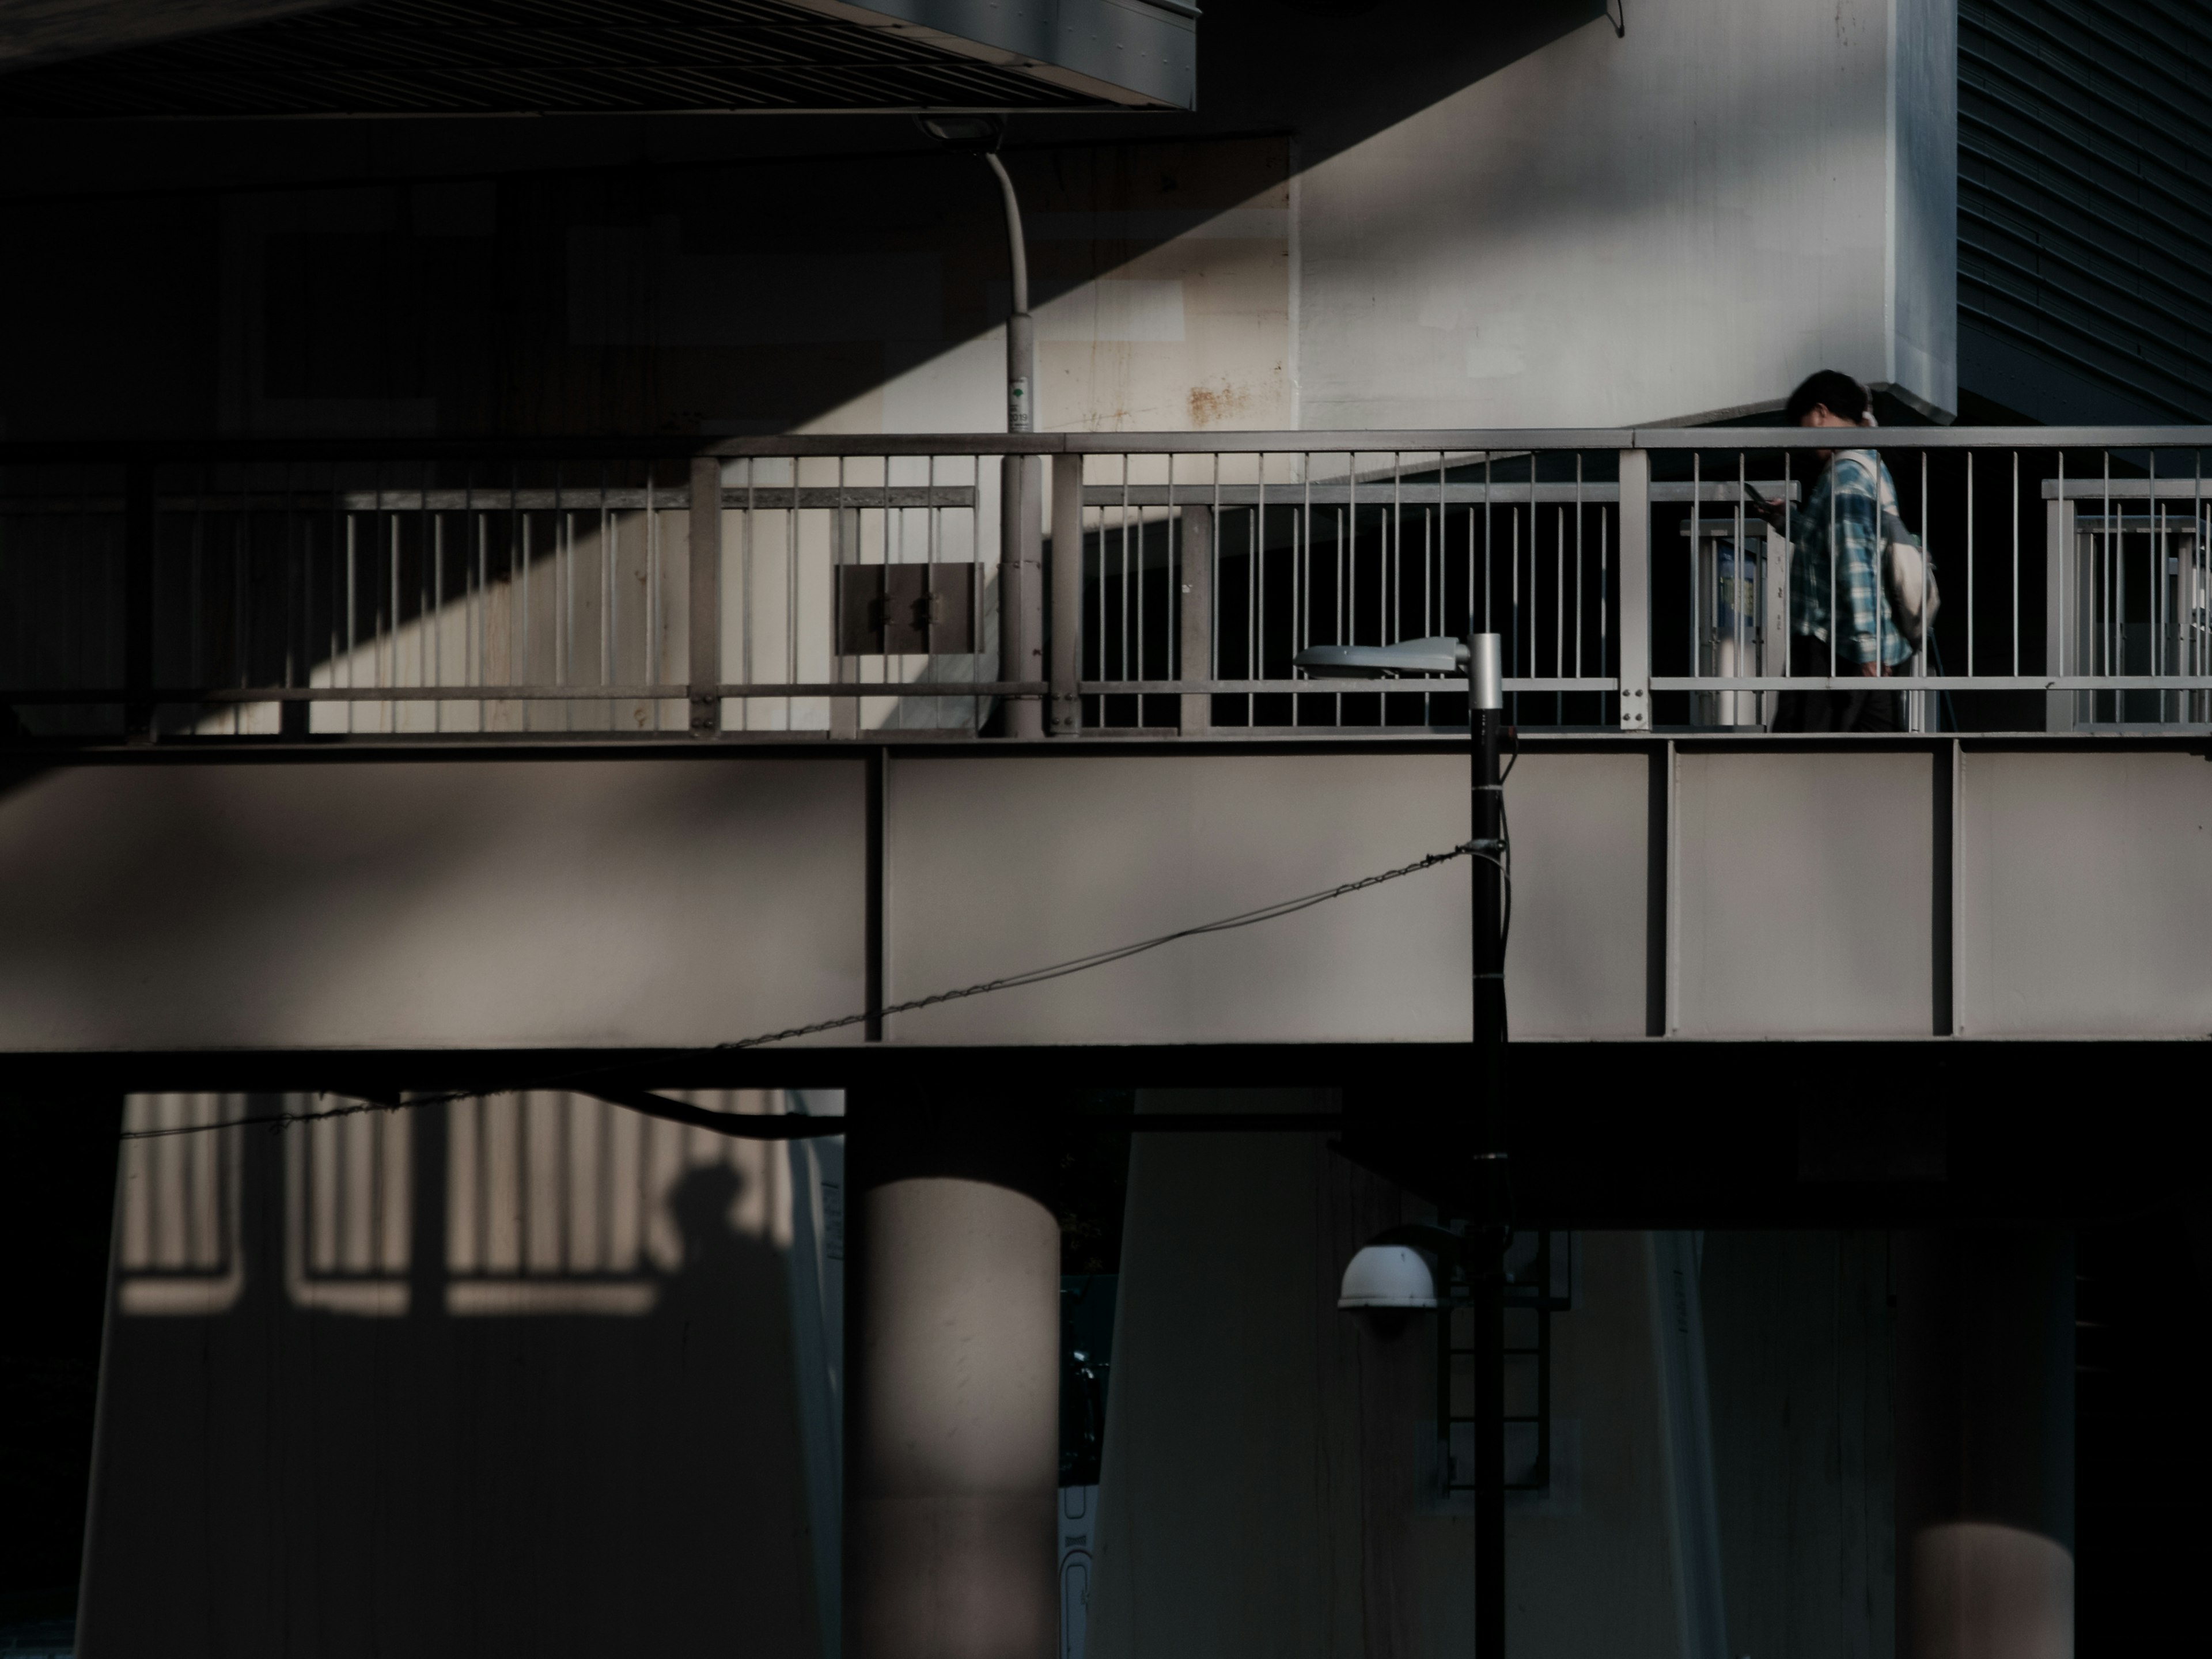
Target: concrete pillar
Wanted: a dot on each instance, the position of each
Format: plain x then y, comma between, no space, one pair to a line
952,1331
1985,1445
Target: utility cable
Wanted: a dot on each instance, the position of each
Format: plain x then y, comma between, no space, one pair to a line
1008,982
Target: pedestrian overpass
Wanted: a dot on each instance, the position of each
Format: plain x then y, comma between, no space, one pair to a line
458,752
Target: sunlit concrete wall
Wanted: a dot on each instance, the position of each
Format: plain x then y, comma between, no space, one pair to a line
1726,892
521,1376
1682,220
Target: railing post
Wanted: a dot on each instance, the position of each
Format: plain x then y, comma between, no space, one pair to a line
1196,659
1067,633
706,602
1021,603
1635,590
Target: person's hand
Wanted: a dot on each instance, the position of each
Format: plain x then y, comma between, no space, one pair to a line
1866,671
1773,513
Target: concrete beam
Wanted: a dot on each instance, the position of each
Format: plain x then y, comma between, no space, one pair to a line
46,31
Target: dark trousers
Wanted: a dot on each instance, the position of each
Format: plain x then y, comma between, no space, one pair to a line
1870,710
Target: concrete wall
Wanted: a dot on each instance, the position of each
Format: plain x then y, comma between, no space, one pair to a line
1269,1487
523,1376
1800,1341
1684,220
558,902
1446,218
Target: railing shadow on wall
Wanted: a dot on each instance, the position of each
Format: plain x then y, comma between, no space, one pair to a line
551,1332
244,592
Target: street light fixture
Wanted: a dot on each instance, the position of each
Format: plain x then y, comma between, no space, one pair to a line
1482,1250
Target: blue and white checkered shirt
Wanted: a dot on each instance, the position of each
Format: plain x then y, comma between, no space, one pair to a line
1845,497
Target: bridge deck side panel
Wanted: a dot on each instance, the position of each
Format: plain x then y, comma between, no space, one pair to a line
2087,888
1805,882
997,866
409,905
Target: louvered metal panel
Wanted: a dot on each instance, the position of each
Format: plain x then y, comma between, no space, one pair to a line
2085,232
558,57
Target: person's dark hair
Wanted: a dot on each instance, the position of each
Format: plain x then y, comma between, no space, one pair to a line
1842,394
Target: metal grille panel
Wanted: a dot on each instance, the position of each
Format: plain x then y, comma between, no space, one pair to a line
2085,133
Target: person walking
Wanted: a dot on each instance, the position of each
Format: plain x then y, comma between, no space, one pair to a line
1840,621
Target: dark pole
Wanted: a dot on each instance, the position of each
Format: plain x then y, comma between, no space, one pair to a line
1486,704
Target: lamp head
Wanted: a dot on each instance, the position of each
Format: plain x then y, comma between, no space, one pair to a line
1388,1277
1440,655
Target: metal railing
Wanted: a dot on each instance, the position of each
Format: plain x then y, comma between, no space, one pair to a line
836,588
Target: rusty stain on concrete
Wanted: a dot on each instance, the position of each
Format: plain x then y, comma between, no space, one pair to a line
1210,406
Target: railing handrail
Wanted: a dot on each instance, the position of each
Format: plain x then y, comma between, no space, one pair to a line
1472,442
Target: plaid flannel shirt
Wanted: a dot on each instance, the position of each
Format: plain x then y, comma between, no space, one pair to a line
1845,496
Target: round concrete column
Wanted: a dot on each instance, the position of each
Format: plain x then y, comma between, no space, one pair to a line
952,1345
1985,1445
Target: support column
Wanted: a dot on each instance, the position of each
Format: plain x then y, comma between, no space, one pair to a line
952,1335
1985,1445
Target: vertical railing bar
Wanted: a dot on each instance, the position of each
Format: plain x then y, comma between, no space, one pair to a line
388,674
1924,537
436,622
745,587
1835,608
1256,653
2112,636
1394,558
296,589
198,650
653,625
1581,554
1300,597
1126,671
1430,599
564,589
2066,556
791,598
610,594
1697,558
526,528
2015,567
1213,620
1353,527
2156,570
1513,581
240,540
480,677
1739,550
1138,669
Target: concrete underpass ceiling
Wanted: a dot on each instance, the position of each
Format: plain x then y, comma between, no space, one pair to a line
489,57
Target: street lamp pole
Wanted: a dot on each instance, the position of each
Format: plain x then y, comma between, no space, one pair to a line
1492,1219
1021,477
1377,1275
1021,563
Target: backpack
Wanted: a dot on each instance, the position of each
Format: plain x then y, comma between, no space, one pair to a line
1908,576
